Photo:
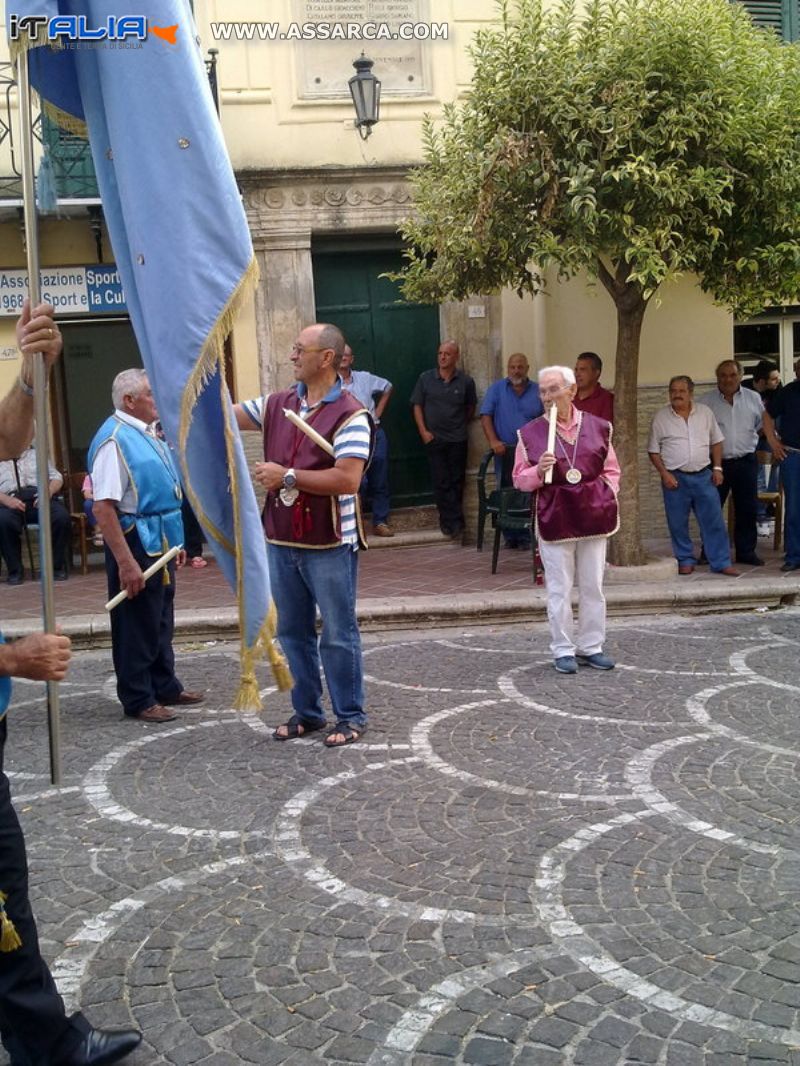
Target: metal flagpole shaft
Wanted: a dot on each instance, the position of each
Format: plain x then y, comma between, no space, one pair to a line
41,414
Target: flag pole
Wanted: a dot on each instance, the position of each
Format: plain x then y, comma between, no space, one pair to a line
40,412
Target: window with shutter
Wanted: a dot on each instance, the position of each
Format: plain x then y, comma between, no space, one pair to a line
783,16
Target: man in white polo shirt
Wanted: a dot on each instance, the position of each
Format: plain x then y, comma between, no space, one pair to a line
685,447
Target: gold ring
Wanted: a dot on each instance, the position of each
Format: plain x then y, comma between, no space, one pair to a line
49,332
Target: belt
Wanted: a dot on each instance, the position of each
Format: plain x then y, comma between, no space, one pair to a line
738,458
691,472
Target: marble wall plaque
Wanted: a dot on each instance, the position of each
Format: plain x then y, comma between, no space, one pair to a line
325,66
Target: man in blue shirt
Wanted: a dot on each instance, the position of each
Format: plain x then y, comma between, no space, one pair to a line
738,413
507,406
374,393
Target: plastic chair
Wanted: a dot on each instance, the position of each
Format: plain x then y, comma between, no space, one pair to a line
514,516
488,502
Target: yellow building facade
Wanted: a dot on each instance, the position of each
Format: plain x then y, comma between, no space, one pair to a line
324,207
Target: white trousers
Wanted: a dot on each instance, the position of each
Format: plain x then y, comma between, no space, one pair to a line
585,559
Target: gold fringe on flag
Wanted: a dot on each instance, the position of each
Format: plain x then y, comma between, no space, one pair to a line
211,359
9,937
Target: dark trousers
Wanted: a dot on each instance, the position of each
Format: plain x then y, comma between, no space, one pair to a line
141,635
741,481
375,483
192,533
11,523
448,471
34,1026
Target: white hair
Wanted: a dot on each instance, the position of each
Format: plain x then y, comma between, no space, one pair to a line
566,372
127,383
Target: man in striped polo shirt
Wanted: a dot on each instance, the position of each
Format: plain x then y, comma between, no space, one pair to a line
312,521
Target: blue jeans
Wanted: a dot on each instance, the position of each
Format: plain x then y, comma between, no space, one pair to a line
302,580
696,492
375,483
790,477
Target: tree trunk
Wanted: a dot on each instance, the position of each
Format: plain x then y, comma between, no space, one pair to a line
626,546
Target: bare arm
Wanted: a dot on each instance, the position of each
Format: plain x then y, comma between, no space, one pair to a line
38,657
716,461
423,430
383,403
342,479
243,419
469,412
36,332
770,433
130,573
497,446
669,480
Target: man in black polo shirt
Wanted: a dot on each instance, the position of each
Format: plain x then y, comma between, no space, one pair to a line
444,401
785,404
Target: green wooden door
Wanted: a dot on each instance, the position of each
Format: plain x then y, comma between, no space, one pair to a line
392,338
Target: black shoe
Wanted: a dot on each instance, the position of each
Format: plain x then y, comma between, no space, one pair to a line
15,579
101,1048
60,574
787,568
749,560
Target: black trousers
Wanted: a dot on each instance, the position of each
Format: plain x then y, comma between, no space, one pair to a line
741,480
11,523
192,532
34,1026
448,462
141,635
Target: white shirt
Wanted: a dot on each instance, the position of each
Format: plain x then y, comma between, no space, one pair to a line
26,464
684,443
740,421
110,479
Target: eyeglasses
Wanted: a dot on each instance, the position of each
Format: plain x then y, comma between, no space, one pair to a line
300,349
554,390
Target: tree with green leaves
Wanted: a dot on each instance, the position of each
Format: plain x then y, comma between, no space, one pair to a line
632,139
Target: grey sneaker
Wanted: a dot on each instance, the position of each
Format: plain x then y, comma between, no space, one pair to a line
599,661
565,664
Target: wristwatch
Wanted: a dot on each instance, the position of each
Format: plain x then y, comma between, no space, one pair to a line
289,479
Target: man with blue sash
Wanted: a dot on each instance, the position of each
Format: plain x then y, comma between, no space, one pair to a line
137,503
34,1025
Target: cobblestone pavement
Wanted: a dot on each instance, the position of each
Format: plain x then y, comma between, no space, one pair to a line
514,867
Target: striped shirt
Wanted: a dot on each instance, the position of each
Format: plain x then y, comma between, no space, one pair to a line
350,442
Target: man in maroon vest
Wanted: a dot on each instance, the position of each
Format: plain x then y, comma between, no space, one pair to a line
313,526
576,512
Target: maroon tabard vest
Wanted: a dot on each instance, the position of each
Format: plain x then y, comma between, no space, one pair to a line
567,512
312,521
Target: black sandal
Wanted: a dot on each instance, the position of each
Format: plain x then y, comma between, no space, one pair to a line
350,734
293,727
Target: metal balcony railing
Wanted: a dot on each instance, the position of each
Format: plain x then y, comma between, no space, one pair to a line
70,156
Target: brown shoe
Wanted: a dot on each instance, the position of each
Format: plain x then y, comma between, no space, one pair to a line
684,570
728,571
382,530
156,714
185,699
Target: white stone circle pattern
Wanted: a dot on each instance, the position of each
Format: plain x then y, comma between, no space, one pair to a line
497,693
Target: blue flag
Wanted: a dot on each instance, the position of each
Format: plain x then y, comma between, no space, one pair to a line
138,85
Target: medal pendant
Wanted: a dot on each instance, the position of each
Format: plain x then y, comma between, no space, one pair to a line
574,476
288,496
